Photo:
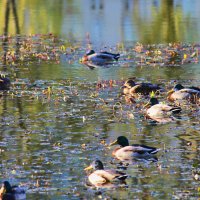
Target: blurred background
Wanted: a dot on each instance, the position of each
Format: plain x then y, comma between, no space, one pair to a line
107,22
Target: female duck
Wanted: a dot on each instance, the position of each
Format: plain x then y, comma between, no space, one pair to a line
100,58
129,152
101,176
180,93
131,88
8,192
161,112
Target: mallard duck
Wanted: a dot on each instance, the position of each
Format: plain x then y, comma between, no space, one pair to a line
131,88
161,112
103,176
8,192
4,83
100,58
179,93
129,152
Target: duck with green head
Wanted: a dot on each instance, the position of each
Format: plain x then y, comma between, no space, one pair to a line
8,192
99,58
178,93
128,152
103,176
160,112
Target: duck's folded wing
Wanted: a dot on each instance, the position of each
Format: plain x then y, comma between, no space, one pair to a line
104,56
108,175
188,90
128,150
97,179
172,109
114,55
144,148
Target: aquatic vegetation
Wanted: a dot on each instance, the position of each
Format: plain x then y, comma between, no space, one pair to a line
172,54
20,50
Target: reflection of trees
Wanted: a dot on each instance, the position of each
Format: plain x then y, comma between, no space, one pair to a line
38,16
9,4
166,26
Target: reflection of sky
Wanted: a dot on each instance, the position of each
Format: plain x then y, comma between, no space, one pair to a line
110,22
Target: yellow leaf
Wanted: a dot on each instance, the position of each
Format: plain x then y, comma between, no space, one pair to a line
63,48
152,94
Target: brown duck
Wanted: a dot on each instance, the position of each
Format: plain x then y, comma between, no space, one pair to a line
103,176
131,88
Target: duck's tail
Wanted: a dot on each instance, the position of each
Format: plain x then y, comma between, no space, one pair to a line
154,151
122,177
116,56
175,110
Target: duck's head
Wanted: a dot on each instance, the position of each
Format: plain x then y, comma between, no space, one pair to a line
85,57
90,52
152,101
6,188
121,140
178,87
129,83
97,165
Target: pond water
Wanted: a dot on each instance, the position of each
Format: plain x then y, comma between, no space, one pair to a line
55,120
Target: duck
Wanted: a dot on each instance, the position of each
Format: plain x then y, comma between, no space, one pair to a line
8,192
160,112
131,88
4,83
179,93
101,176
99,58
128,152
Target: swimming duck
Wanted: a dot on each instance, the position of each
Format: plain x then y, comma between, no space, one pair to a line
129,152
103,176
4,83
8,192
181,93
131,88
161,112
100,58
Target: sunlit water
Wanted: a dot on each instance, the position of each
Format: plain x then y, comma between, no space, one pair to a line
47,140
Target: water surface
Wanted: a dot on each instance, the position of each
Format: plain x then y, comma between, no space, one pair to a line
47,139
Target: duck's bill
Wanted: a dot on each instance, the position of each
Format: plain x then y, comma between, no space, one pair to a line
170,91
113,143
88,168
2,190
146,105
